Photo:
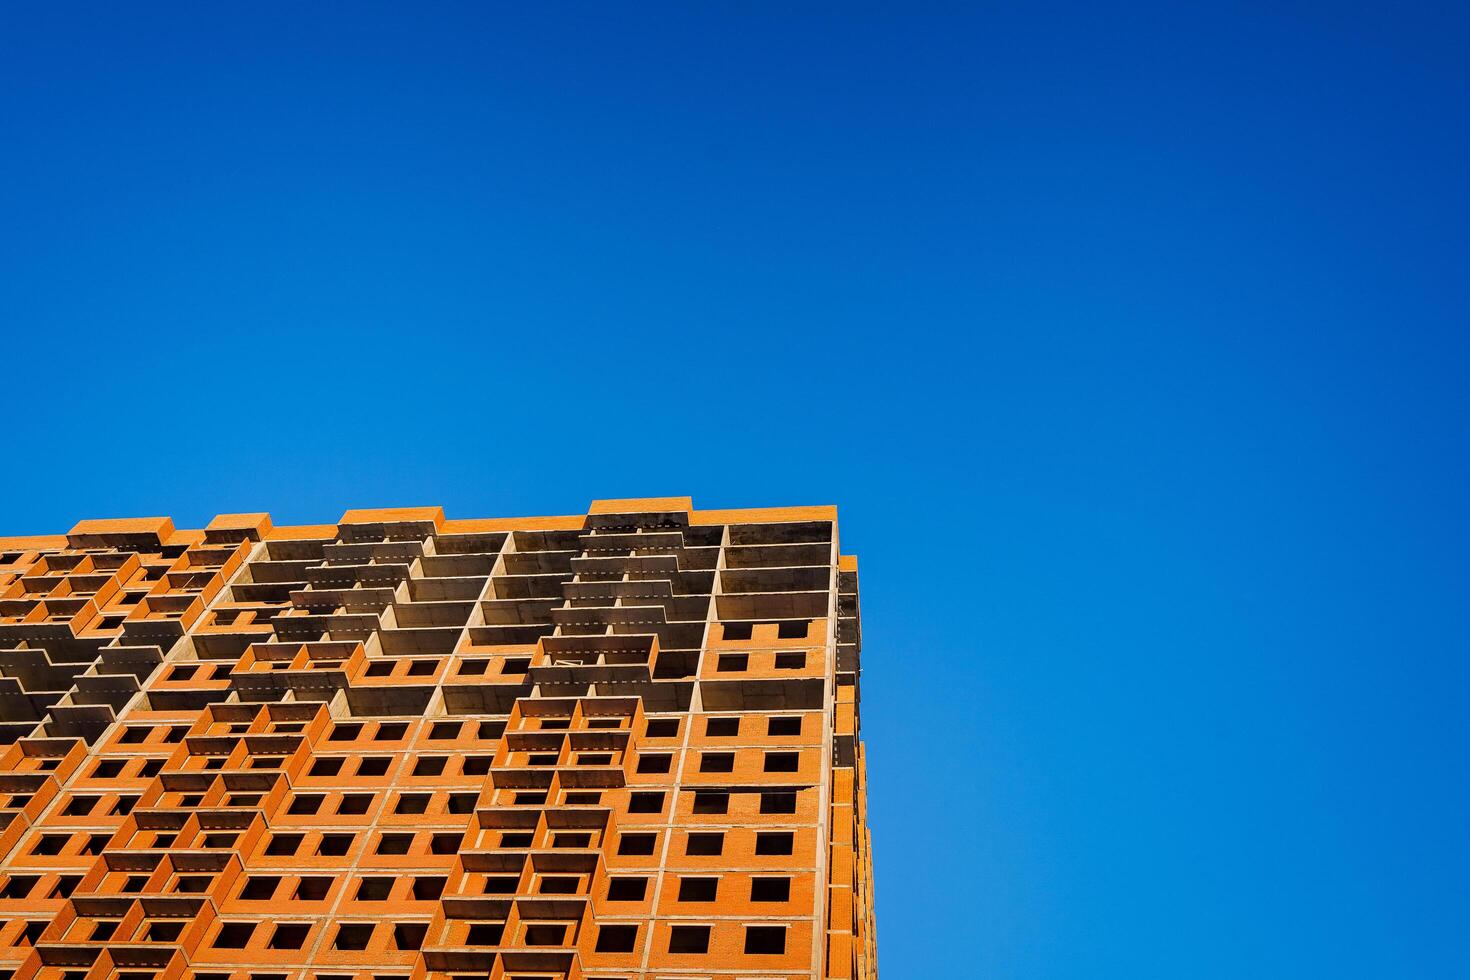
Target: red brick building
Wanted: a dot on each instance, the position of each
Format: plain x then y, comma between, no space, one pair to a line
621,744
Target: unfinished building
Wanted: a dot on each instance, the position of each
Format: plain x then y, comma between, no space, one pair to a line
621,744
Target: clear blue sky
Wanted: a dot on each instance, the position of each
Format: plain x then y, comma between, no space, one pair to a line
1132,344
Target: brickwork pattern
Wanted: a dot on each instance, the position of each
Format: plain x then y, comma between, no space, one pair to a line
616,745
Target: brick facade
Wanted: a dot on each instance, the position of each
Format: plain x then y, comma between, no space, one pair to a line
622,744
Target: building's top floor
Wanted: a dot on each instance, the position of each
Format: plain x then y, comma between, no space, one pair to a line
160,532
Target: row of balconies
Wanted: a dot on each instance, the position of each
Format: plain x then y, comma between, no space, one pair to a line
124,595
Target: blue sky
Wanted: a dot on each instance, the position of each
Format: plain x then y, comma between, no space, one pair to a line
1130,342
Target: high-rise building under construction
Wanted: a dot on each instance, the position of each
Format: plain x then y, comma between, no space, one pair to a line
621,744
